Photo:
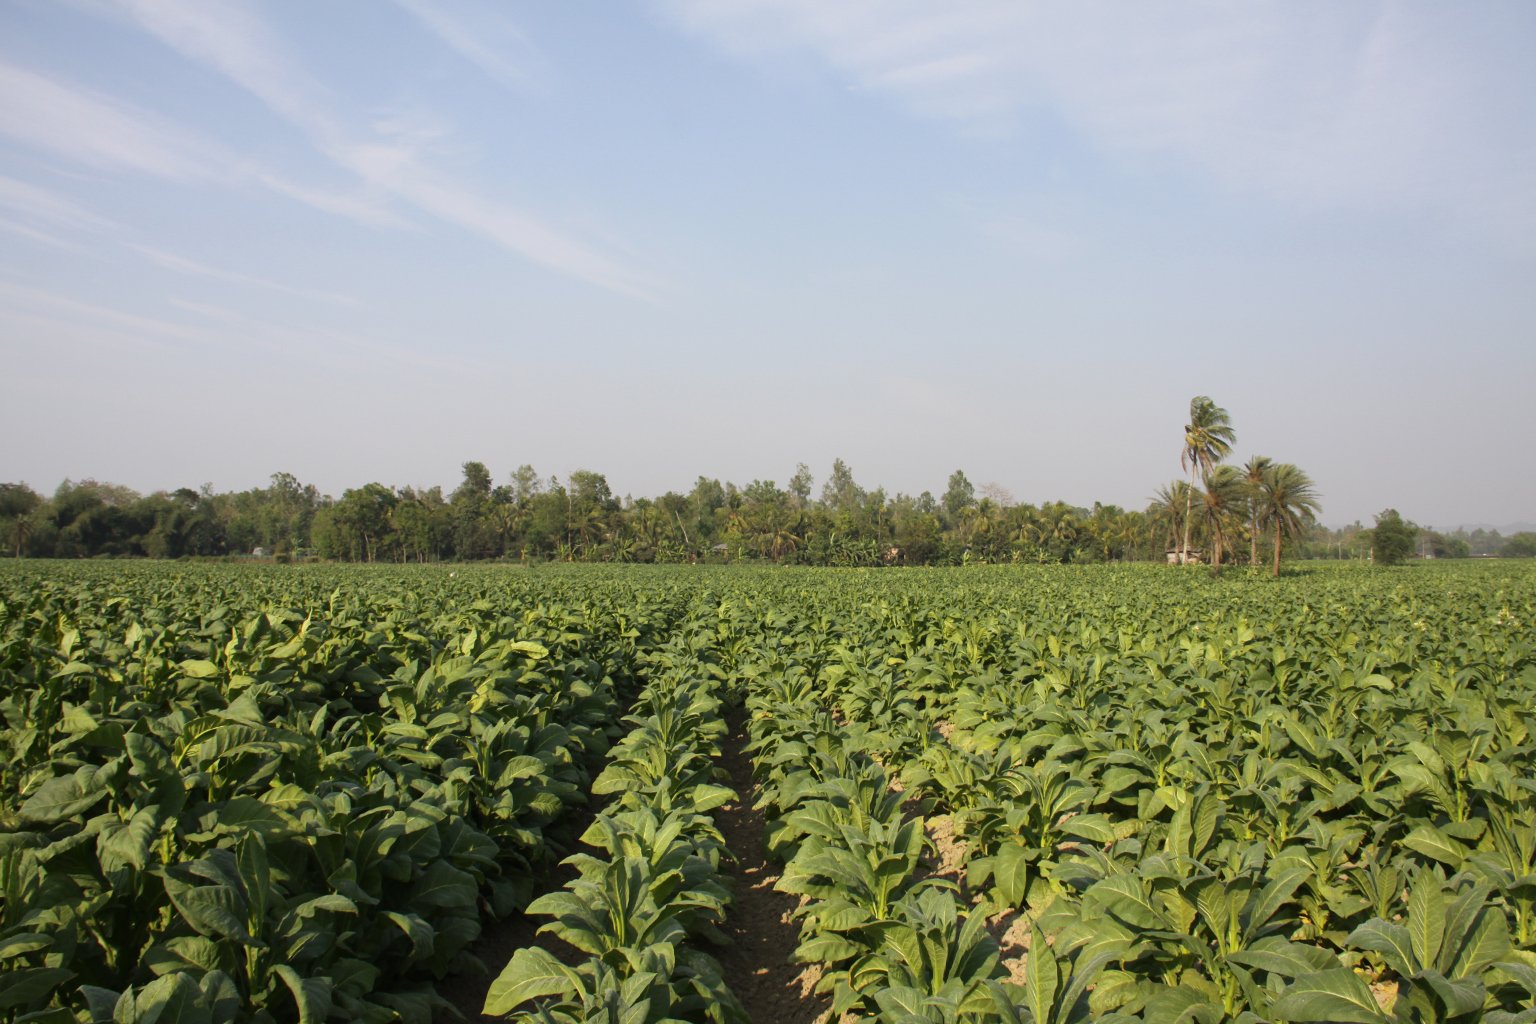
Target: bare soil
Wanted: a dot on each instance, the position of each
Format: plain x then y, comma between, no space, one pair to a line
501,939
756,964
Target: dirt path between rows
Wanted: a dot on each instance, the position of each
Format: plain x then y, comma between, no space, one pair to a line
756,965
501,939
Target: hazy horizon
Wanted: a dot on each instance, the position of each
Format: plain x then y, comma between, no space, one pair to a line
372,241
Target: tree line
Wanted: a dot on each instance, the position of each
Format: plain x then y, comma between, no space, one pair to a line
1219,514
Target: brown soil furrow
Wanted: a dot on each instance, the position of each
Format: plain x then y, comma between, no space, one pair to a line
501,939
756,965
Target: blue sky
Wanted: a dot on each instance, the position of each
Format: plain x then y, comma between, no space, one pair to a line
370,240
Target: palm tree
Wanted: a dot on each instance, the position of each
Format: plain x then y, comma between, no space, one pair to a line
1208,437
1169,508
1254,477
1288,501
1224,491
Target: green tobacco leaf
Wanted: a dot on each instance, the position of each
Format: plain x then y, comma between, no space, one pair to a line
1010,873
30,985
130,844
1122,897
1042,978
1096,828
1462,996
1426,917
1436,845
311,995
1280,956
199,668
1391,940
213,910
827,949
530,974
1335,996
707,797
443,886
417,930
173,999
61,798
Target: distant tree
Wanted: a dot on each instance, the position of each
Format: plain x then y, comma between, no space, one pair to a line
1447,545
525,484
1170,509
1253,477
1392,538
1208,438
1520,545
958,495
18,504
362,522
800,486
1221,508
1288,503
590,504
840,493
999,494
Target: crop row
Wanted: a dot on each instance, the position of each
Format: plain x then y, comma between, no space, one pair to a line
1229,829
892,941
291,814
640,907
246,795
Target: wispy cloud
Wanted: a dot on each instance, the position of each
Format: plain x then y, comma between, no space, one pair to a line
181,264
104,132
483,36
233,40
82,318
1365,105
36,235
339,349
38,203
96,129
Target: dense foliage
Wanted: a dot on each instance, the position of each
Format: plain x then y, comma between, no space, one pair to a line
264,793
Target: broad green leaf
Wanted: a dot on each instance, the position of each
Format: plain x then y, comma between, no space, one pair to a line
1391,940
19,988
60,798
530,974
1335,996
1042,978
199,668
1435,844
311,995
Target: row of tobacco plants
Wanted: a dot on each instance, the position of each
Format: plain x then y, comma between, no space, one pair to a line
251,794
261,796
645,903
1312,801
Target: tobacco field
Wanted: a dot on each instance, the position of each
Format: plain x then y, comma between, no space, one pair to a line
639,794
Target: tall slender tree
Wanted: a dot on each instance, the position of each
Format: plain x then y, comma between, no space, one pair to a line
1221,508
1208,438
1253,476
1288,503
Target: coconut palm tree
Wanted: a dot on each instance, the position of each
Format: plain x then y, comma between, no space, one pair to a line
1253,476
1169,508
1220,506
1288,501
1208,438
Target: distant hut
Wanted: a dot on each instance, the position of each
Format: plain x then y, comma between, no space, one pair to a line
1194,556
